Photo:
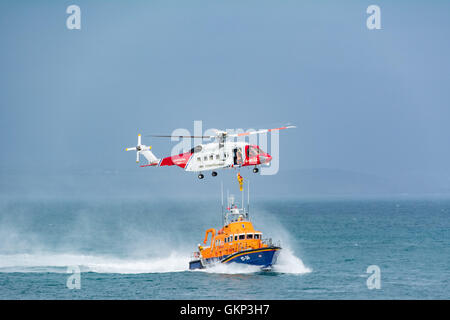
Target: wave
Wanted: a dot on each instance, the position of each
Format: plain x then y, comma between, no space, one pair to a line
230,268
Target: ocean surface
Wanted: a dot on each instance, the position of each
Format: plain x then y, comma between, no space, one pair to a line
136,248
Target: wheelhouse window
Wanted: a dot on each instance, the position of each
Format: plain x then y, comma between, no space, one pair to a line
235,238
242,237
257,236
250,236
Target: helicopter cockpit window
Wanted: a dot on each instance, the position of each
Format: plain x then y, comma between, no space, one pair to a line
196,149
253,151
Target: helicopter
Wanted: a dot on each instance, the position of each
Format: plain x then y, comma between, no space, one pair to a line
221,154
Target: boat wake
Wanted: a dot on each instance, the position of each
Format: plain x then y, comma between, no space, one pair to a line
175,262
58,263
287,263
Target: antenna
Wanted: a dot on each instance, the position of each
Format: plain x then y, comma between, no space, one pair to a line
228,203
248,196
221,193
242,198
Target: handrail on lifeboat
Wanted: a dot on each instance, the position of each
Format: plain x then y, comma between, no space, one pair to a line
213,233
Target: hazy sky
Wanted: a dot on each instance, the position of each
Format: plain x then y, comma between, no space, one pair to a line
374,102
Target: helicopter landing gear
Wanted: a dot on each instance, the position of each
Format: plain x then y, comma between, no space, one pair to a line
255,170
201,176
214,173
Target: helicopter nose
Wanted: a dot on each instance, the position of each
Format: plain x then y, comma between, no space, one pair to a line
265,158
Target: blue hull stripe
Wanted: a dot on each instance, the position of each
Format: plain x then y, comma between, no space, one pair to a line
264,257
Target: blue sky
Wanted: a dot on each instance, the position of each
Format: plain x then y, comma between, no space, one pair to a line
373,103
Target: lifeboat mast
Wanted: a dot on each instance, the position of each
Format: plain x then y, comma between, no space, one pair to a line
232,212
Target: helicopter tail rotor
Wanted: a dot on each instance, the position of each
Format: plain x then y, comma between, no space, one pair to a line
144,150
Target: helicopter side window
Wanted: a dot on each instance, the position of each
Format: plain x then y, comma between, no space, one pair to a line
217,157
199,159
205,158
196,149
238,156
211,157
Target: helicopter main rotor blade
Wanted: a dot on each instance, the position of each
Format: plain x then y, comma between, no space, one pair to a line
167,136
259,131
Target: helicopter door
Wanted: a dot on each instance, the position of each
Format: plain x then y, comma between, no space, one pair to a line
237,156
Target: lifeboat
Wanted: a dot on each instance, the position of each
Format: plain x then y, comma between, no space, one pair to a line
236,242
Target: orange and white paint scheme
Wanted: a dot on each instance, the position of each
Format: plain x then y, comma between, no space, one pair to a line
237,241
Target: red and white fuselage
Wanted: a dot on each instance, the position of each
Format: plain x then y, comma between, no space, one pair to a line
220,154
211,156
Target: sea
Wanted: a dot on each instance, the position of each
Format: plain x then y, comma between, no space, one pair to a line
139,248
